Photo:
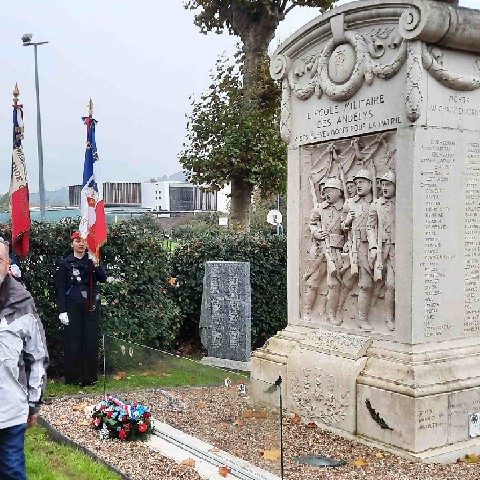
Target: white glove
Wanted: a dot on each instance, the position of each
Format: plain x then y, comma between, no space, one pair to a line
93,258
15,270
64,318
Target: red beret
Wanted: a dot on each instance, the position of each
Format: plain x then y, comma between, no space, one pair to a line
75,235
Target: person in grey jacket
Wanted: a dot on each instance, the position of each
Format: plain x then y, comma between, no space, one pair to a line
23,363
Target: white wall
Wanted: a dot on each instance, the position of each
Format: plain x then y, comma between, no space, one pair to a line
155,196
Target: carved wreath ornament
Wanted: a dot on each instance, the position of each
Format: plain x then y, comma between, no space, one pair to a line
313,75
317,395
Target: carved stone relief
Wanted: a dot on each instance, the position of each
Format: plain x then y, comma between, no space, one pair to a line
349,272
316,394
349,59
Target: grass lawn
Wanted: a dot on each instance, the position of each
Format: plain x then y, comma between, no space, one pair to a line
47,460
159,372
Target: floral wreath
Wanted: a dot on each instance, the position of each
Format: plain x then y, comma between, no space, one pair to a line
116,418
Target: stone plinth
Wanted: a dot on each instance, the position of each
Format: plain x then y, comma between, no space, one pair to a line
381,102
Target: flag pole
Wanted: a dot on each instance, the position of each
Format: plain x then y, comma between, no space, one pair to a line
90,306
16,93
19,196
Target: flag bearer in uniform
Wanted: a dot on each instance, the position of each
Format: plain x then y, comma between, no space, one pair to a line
77,280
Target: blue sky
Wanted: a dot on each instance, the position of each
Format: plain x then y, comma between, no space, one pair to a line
139,61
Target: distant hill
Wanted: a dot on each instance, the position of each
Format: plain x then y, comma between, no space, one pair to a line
176,177
55,198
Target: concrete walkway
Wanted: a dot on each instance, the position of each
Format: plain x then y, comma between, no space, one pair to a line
180,446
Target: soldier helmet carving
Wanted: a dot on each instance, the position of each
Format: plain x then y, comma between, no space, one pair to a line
334,183
363,173
350,180
389,176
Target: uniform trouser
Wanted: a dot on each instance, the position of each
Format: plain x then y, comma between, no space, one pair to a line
315,274
364,279
12,454
389,269
81,344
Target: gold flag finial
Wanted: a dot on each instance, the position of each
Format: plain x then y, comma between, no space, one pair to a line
16,93
90,108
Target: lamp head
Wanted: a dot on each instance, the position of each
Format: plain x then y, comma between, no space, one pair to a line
27,38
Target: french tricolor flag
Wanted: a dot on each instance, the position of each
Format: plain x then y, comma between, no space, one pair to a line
19,197
93,224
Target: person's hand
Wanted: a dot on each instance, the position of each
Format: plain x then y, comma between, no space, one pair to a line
372,256
320,234
64,318
15,270
93,258
350,216
32,420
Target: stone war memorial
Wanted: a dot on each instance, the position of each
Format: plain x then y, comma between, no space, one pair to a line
225,321
381,114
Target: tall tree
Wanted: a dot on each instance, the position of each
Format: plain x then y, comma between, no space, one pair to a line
230,142
255,22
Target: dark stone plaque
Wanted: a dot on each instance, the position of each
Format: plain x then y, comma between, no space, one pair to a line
225,322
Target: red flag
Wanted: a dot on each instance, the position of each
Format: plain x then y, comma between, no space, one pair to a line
19,197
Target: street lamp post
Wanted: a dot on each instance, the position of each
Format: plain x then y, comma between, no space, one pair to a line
27,42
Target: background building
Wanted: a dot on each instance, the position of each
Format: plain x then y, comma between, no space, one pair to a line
166,196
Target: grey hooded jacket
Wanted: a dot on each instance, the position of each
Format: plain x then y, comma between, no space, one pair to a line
23,354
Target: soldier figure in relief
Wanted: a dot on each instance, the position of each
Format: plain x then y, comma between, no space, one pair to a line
355,223
381,243
325,255
350,187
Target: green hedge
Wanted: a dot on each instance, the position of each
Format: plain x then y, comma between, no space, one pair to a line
138,303
135,302
268,270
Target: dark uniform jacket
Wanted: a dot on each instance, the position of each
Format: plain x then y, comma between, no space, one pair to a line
73,280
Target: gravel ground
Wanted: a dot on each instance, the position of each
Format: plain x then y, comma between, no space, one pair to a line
230,422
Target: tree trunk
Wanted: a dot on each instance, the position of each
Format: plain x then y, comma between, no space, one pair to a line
240,205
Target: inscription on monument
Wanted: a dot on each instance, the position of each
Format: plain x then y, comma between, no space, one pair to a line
437,161
448,196
472,237
225,323
356,116
428,419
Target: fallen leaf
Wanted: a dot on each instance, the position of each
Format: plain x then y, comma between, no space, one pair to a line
172,281
238,423
238,453
201,405
471,458
117,377
214,450
379,455
296,419
224,471
359,463
254,414
311,425
84,423
189,462
273,455
223,425
80,408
